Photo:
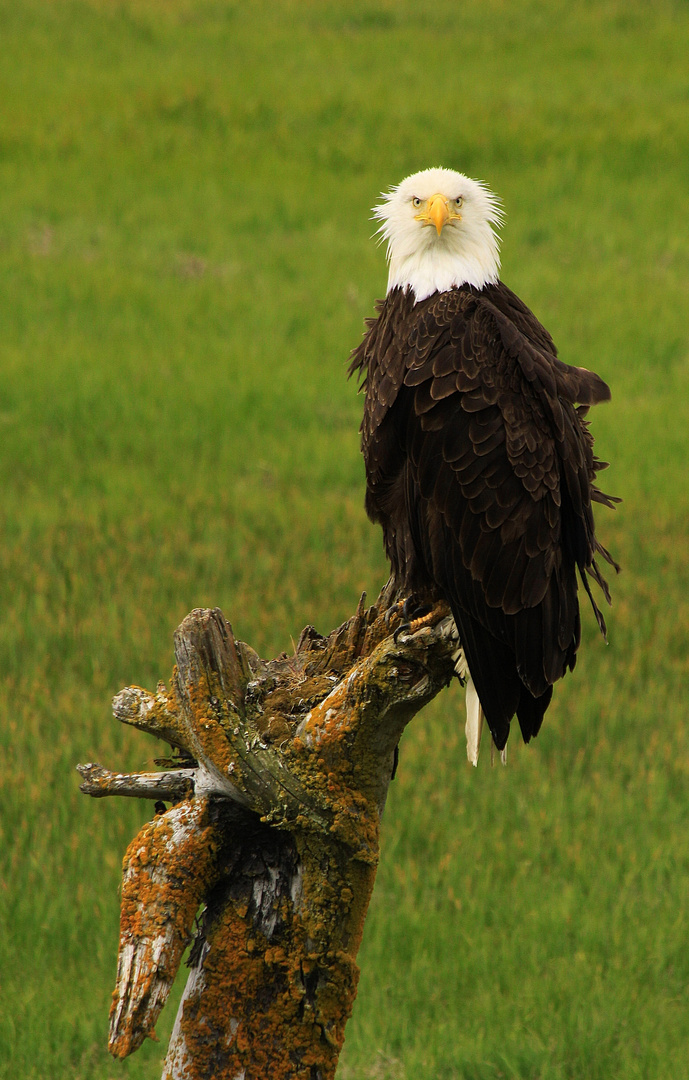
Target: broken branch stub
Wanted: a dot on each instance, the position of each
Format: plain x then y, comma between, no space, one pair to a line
278,783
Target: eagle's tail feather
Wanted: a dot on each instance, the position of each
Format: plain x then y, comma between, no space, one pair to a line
473,728
474,724
493,672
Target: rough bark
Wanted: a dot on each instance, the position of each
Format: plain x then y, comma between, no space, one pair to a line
278,782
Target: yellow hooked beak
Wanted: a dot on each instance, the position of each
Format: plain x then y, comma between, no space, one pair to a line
437,212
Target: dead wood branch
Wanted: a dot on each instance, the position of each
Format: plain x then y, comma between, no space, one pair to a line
169,786
284,771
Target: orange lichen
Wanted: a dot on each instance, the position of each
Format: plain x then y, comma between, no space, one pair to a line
272,1009
166,871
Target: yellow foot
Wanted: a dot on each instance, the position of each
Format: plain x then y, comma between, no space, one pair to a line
423,620
428,618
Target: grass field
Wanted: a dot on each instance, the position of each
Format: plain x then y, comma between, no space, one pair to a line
185,263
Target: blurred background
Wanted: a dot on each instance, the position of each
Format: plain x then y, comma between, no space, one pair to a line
185,264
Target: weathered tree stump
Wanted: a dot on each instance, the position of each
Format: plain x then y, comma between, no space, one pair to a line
278,782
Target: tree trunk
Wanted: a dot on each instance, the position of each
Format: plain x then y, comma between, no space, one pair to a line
278,782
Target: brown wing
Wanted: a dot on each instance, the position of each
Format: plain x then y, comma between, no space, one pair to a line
481,471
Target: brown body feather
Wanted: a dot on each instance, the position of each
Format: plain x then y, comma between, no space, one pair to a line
480,469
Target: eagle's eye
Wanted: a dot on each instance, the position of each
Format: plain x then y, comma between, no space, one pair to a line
416,202
458,201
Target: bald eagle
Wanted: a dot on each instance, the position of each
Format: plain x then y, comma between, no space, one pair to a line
479,460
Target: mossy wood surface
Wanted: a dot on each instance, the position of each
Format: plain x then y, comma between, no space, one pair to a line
278,780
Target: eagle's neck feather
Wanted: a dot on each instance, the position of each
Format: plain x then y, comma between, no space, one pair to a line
437,269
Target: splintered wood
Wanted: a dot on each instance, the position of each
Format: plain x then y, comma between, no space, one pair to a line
277,777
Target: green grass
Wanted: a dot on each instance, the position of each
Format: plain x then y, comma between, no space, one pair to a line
185,263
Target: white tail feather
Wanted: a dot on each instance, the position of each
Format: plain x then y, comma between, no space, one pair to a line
475,713
503,754
474,724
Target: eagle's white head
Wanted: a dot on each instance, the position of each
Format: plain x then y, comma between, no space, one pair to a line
440,230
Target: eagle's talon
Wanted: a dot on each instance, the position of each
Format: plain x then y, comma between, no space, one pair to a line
403,628
405,608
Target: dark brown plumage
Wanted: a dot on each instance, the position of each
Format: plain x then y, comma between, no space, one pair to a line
480,469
